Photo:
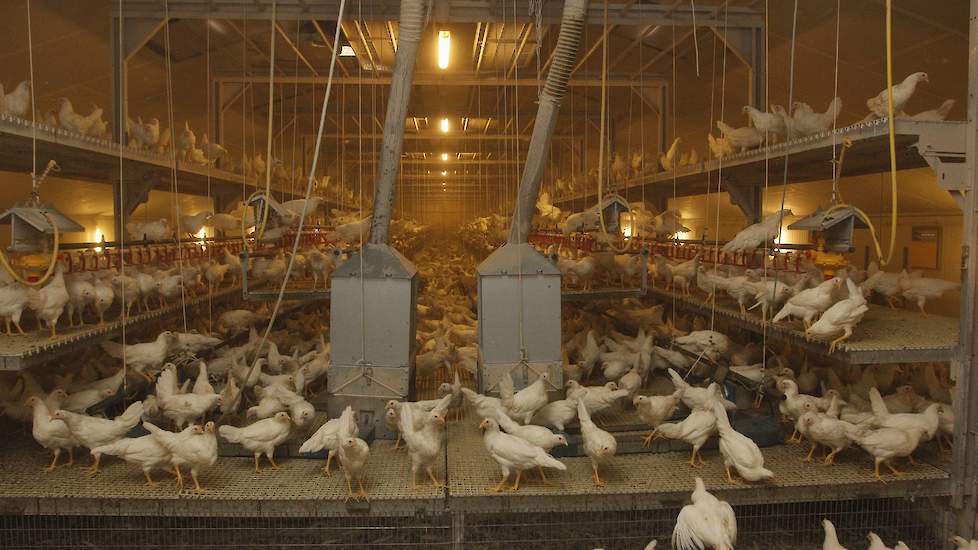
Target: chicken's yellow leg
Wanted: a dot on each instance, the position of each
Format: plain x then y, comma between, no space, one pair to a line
434,480
197,487
597,477
54,461
878,476
893,469
499,486
516,484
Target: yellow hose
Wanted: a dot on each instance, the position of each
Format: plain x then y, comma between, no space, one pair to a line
892,137
892,131
54,258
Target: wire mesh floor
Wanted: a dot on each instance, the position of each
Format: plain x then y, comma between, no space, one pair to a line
18,351
665,479
884,335
233,487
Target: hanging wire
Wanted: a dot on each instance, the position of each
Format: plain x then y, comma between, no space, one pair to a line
260,230
121,237
305,203
174,185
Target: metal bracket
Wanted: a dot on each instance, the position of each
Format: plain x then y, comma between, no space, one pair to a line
942,146
137,192
745,198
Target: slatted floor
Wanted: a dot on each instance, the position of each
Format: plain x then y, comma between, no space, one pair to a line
667,478
884,335
298,483
18,351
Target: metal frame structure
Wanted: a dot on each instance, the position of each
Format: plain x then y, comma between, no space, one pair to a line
938,146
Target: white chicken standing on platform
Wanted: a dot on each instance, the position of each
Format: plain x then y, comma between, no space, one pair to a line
902,92
146,451
656,409
769,124
261,437
741,138
599,445
526,402
739,451
706,523
514,453
94,432
809,303
424,443
195,447
50,433
353,454
842,317
753,236
48,303
804,121
919,289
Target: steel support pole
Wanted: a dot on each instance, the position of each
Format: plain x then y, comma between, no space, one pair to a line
965,455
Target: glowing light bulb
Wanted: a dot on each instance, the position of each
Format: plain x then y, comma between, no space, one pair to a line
444,156
444,48
444,125
444,172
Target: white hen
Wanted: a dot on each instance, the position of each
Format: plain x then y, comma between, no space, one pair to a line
706,523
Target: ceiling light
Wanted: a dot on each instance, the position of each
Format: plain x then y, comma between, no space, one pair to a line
347,51
444,172
444,48
444,125
444,156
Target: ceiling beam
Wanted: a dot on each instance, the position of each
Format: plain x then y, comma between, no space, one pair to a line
454,11
601,40
329,46
295,49
441,79
524,35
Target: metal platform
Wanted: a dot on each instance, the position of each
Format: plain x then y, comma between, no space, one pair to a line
664,480
635,481
97,160
601,294
808,160
298,488
18,352
884,336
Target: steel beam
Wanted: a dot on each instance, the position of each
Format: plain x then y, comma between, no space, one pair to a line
454,79
964,458
450,11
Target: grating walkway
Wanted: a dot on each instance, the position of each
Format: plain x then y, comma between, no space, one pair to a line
233,487
665,479
883,336
20,351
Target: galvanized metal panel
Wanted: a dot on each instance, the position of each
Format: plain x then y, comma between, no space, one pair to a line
519,294
372,320
367,389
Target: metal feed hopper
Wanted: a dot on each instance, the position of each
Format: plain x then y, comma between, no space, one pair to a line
372,334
